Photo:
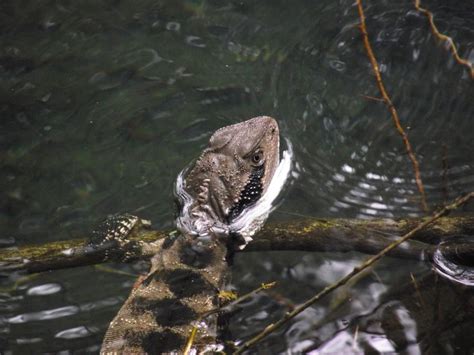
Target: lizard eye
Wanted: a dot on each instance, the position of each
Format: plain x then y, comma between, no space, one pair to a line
257,158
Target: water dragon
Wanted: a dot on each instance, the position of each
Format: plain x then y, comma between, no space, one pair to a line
227,181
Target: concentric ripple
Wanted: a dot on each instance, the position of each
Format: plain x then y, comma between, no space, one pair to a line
453,259
353,160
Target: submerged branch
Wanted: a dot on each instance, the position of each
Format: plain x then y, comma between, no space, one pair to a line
391,106
323,235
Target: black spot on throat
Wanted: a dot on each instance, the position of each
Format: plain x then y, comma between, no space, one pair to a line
249,195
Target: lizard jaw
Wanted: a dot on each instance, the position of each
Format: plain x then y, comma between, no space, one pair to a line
251,192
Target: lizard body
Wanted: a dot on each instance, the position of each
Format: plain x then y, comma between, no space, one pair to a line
190,269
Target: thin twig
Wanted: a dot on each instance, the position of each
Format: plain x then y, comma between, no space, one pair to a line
391,107
367,263
368,97
192,336
417,289
446,39
263,286
189,344
445,188
354,341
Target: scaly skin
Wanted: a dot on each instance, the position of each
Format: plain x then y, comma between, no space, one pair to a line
190,269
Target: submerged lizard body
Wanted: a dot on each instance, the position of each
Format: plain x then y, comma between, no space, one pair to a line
190,269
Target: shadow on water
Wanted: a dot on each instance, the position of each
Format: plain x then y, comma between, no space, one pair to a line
103,103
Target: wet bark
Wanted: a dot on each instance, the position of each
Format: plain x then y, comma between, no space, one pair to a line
310,235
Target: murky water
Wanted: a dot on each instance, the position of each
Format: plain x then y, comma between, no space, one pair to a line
104,102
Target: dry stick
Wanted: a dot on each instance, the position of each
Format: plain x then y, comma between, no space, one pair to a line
189,344
444,161
246,296
445,38
417,290
367,263
190,341
391,107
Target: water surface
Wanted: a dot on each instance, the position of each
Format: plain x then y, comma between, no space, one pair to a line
104,102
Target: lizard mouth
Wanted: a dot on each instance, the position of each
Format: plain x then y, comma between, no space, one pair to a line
250,194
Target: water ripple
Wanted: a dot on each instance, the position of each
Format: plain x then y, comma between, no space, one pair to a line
44,315
98,304
453,259
45,289
75,333
28,340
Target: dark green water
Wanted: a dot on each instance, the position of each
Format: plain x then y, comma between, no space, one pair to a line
104,102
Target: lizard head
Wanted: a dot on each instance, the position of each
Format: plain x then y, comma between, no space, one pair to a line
236,168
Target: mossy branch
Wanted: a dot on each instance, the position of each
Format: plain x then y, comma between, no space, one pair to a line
331,235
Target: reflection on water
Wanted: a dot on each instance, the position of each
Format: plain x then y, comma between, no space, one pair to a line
372,338
104,102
